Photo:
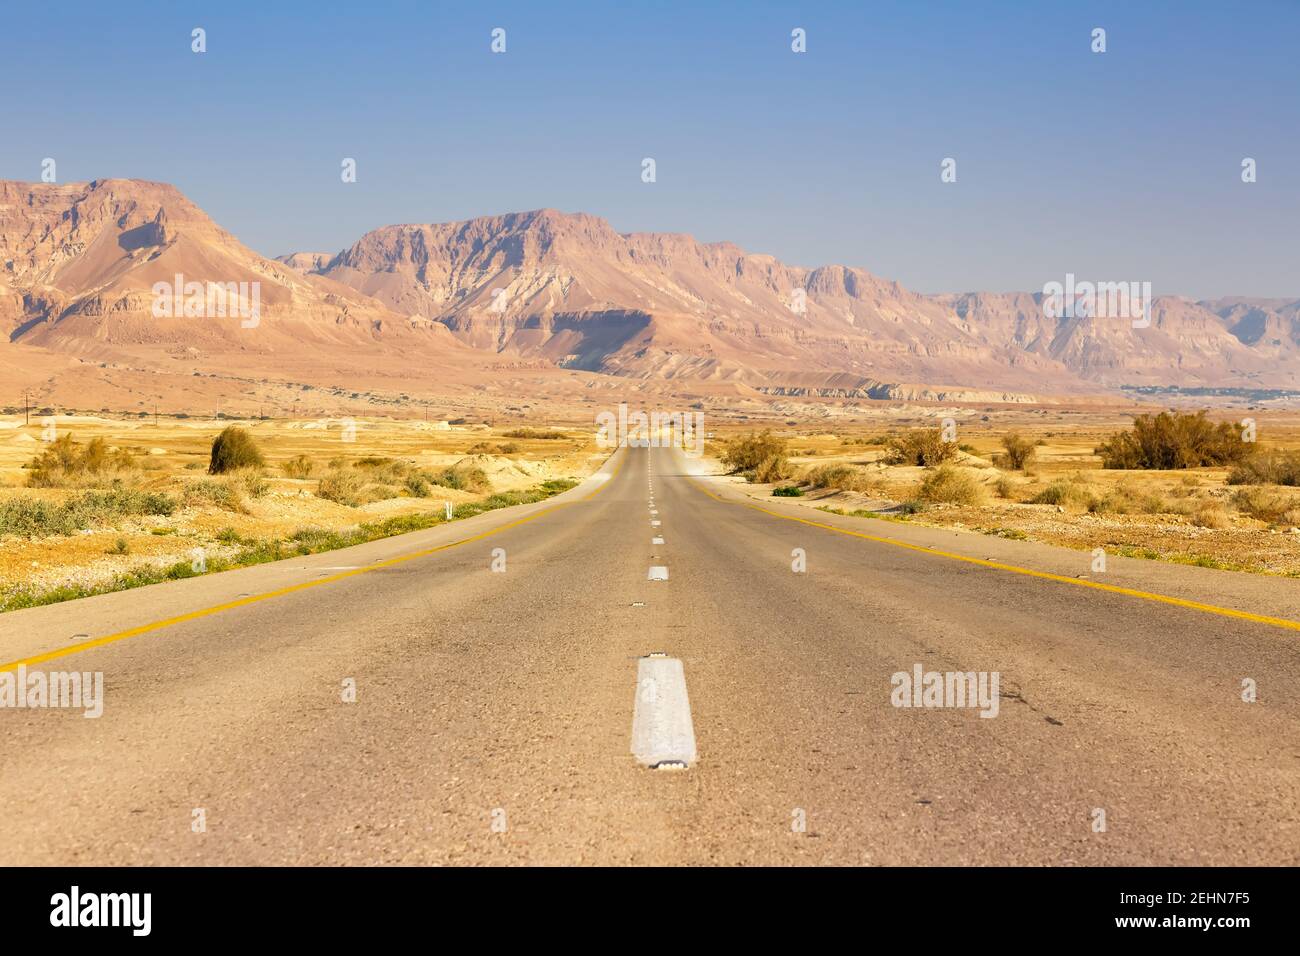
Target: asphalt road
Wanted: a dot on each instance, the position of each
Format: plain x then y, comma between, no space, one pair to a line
493,712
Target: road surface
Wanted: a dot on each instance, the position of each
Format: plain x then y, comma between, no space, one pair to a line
493,720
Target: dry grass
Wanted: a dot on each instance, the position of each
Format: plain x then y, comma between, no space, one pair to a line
1160,513
951,486
67,463
920,446
152,496
841,478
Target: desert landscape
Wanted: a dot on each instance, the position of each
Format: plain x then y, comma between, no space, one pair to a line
598,435
1216,516
437,342
90,504
148,505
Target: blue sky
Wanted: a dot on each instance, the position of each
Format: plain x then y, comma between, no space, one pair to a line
1122,165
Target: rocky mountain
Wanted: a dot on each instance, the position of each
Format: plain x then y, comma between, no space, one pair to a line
570,289
82,265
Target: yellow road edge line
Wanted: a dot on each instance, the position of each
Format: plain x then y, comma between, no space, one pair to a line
38,659
1028,572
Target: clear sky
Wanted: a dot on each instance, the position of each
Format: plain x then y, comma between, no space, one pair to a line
1117,166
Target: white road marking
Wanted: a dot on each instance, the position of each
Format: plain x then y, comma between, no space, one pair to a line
655,524
656,540
662,732
657,573
653,512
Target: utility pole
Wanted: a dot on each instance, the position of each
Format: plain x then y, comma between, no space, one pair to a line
27,407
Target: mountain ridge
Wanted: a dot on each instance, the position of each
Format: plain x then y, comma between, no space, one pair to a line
547,289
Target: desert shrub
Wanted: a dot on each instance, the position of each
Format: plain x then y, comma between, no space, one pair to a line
462,477
1174,440
788,491
1210,514
234,448
382,491
70,464
299,466
1124,499
1272,467
874,440
920,446
33,518
1019,452
1072,493
527,433
948,485
749,451
841,478
418,484
252,481
1264,505
775,468
219,493
1005,487
341,485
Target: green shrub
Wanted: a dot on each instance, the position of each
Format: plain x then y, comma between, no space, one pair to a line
788,491
920,446
234,448
1174,440
948,485
31,518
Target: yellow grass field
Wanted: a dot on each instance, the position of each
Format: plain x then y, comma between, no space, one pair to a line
1064,496
377,470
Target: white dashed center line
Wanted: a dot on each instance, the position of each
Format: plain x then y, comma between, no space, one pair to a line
662,733
657,573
